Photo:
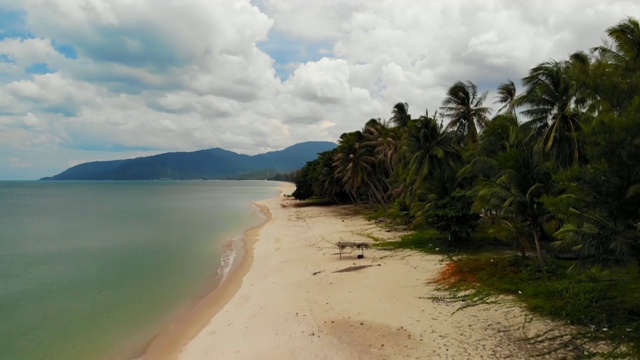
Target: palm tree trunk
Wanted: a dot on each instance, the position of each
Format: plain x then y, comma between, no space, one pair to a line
378,196
537,235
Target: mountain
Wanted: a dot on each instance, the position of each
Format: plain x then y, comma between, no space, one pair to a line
213,163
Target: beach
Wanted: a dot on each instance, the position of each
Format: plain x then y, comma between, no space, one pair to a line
293,297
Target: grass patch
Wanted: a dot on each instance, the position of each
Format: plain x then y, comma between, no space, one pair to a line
380,213
605,304
608,307
431,241
428,241
372,237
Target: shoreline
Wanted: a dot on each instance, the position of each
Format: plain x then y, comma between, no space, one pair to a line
299,300
170,341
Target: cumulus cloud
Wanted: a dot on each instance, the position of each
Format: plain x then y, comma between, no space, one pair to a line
323,81
311,20
102,79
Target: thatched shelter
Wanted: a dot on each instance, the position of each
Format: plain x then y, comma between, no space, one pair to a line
353,245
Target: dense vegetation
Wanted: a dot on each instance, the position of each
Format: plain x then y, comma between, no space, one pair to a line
270,175
555,172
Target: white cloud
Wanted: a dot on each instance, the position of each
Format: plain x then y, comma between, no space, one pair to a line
153,76
324,81
312,20
28,51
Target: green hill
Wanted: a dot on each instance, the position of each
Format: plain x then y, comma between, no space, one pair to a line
213,163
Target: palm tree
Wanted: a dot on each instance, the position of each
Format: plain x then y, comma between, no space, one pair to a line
355,164
381,139
507,97
463,108
514,194
619,65
326,182
386,142
428,151
501,135
401,116
624,49
551,102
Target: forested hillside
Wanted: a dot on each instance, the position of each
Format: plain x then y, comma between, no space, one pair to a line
203,164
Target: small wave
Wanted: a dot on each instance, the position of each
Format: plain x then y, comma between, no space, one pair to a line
228,258
257,212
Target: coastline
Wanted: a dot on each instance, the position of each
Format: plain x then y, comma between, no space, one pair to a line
175,336
299,300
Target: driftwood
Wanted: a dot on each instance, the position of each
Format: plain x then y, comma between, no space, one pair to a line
354,245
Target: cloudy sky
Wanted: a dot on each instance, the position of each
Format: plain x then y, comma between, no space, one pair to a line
84,80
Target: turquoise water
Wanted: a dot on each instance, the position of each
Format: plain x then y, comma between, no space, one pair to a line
91,270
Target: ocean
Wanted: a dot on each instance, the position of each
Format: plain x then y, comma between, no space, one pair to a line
93,270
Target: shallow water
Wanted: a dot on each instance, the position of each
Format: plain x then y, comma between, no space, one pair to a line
91,270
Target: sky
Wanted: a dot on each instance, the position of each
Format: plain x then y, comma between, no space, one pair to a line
86,80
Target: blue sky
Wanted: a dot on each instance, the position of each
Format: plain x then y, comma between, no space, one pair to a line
288,52
101,80
13,23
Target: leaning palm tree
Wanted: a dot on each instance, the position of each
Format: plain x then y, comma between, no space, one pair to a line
381,141
386,143
463,108
326,182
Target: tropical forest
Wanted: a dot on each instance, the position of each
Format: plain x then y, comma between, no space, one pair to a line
539,199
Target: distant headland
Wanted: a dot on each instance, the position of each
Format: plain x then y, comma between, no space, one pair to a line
213,163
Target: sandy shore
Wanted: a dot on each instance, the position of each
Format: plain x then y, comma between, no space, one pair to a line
296,299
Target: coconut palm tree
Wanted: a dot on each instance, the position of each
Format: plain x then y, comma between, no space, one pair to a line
618,65
355,165
326,182
552,106
514,194
381,139
624,47
499,136
401,116
428,151
386,143
506,97
463,108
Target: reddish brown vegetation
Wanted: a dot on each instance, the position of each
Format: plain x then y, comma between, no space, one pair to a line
454,273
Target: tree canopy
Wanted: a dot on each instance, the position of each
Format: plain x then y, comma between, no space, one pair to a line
558,165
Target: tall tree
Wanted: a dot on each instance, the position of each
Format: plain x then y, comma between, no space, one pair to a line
386,143
618,65
355,164
515,192
380,139
428,152
463,108
551,103
506,97
401,116
326,182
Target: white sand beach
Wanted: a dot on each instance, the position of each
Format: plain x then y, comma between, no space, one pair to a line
292,301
